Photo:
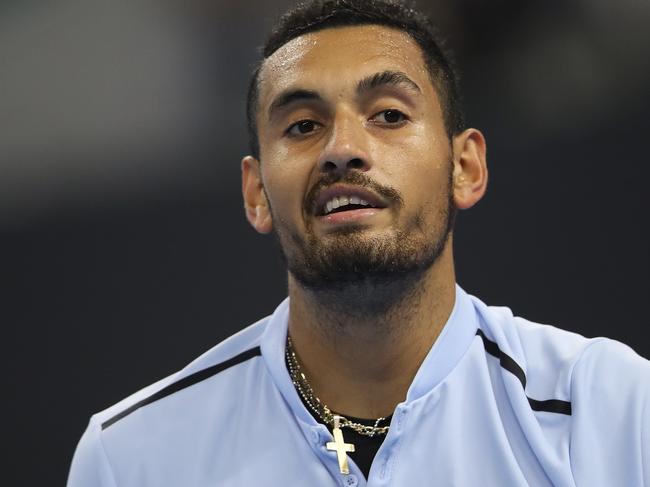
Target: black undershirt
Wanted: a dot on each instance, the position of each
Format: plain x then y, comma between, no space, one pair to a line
365,447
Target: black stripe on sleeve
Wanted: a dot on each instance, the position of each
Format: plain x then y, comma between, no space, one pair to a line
551,406
187,381
508,363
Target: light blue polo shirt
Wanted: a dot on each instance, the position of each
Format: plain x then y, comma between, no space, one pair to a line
498,401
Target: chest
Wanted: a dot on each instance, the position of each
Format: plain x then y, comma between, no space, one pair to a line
463,433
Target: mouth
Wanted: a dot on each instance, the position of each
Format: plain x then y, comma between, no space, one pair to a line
345,198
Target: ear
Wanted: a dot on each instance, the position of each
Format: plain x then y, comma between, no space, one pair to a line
255,202
470,175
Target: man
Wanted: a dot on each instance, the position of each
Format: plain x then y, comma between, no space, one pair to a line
378,369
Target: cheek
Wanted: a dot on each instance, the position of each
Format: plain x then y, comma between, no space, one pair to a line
430,191
285,185
420,173
279,195
421,148
423,165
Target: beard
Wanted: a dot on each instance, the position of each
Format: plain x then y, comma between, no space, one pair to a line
349,264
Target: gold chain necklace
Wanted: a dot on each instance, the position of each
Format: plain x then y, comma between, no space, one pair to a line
304,389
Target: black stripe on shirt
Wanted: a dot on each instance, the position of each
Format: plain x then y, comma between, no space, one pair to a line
187,381
508,363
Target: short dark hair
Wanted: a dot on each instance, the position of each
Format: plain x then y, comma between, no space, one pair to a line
317,15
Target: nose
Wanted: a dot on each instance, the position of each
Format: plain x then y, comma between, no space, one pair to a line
346,146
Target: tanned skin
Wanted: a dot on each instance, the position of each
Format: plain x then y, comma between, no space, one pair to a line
359,356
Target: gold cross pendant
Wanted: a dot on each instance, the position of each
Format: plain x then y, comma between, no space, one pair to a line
340,446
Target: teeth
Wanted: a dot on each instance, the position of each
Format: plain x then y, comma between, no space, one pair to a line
338,201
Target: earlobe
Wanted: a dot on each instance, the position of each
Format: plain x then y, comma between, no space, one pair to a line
256,205
470,174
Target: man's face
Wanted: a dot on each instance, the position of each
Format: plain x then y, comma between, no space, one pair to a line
349,117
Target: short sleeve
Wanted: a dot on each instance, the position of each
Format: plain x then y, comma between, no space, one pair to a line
610,434
90,467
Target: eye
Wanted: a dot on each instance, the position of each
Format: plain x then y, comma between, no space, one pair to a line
390,117
302,127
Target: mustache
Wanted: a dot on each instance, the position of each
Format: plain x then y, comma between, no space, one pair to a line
353,178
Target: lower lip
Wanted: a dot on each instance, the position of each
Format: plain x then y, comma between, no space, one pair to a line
350,216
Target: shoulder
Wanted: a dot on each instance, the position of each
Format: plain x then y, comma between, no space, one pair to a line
610,433
523,338
601,387
559,363
611,376
235,350
167,412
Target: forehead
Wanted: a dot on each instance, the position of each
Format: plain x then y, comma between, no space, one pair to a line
335,58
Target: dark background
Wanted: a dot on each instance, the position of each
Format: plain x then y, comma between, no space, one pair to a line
125,252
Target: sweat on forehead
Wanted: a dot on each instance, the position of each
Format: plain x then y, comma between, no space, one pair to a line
340,56
316,16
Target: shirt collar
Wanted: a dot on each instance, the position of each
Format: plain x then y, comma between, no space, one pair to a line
273,344
446,352
450,346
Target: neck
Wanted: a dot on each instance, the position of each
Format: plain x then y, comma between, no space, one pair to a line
360,348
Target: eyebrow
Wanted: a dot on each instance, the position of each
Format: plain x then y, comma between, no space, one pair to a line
291,96
386,78
369,83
